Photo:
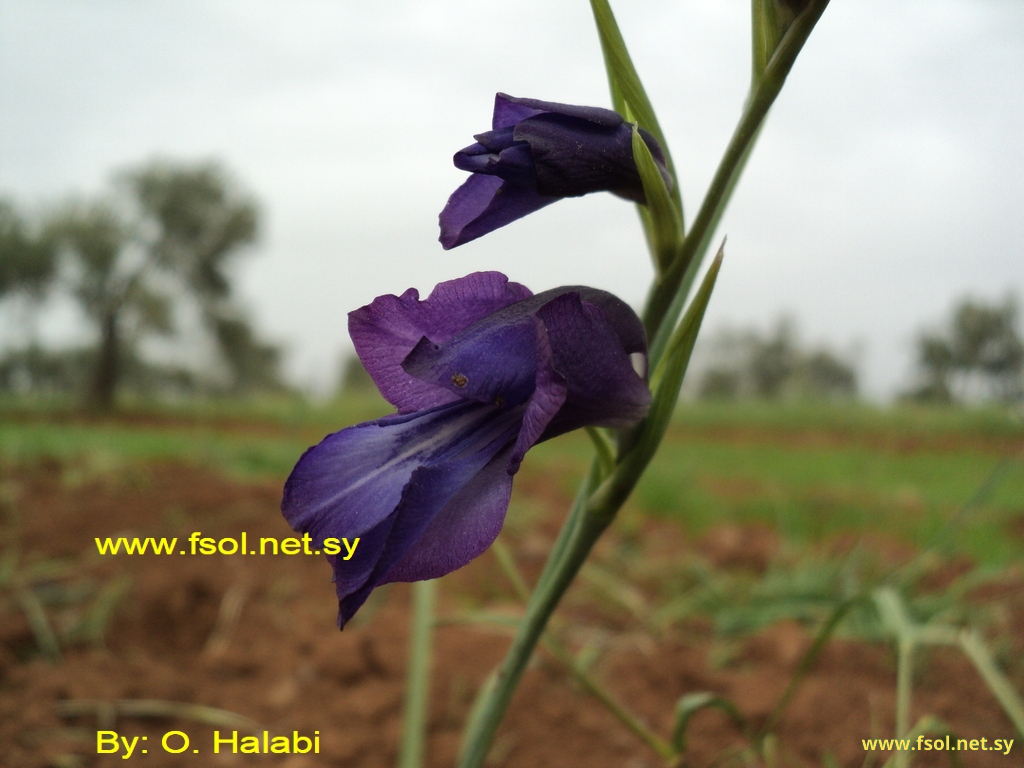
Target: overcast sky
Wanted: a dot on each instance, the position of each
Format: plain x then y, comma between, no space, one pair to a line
887,183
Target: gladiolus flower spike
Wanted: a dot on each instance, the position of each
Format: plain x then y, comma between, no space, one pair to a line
539,152
479,371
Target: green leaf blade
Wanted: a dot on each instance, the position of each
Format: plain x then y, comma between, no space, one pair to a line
662,223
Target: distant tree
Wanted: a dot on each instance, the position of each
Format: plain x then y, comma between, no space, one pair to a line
26,259
720,383
935,360
981,344
168,238
773,367
827,377
254,364
773,361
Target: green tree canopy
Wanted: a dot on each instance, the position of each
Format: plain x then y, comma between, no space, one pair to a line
168,235
980,346
27,260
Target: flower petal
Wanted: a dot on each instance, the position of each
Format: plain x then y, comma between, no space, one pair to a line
431,490
548,398
385,331
492,361
585,371
509,111
384,481
352,480
483,204
603,389
575,157
463,529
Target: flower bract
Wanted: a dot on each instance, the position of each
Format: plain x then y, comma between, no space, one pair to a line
536,153
479,371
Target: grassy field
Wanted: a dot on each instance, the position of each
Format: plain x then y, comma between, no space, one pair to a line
924,476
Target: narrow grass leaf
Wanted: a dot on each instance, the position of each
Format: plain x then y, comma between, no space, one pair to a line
693,703
35,614
820,641
664,225
997,683
102,609
417,689
628,95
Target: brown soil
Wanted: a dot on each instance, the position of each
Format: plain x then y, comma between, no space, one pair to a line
284,665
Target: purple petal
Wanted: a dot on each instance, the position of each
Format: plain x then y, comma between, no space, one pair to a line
603,389
483,204
461,531
548,398
512,163
490,142
384,481
492,361
386,331
575,157
432,489
509,110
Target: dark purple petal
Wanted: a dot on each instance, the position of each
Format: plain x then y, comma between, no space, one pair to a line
491,142
430,489
384,481
464,529
512,163
514,110
483,204
603,389
549,395
543,151
509,110
575,157
508,357
491,361
386,331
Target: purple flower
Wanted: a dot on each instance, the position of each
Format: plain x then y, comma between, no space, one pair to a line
480,371
539,152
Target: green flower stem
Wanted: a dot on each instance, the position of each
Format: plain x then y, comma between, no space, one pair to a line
417,689
592,512
668,295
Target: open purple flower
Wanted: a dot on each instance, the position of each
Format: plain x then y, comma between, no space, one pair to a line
539,152
480,371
